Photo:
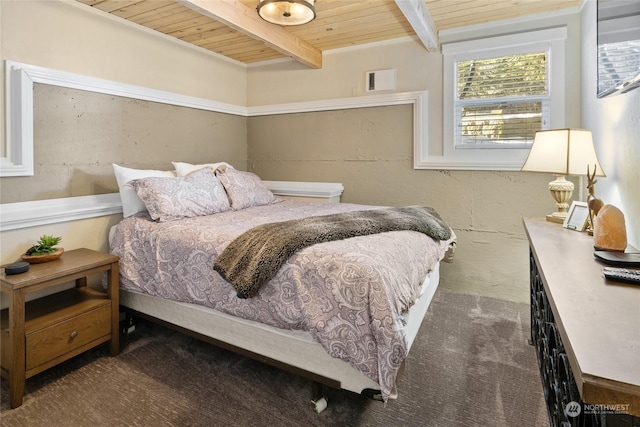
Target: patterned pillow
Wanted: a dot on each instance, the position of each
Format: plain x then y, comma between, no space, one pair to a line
244,189
168,199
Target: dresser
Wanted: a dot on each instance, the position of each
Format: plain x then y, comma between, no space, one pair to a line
586,331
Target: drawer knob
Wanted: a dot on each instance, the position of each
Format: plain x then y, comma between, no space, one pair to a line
74,334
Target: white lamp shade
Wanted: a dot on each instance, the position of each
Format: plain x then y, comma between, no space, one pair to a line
563,152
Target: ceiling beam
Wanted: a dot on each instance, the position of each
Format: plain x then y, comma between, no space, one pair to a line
418,15
246,21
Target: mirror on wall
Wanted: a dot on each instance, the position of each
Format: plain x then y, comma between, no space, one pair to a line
618,46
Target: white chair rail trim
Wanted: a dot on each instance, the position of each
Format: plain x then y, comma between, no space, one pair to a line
305,189
19,215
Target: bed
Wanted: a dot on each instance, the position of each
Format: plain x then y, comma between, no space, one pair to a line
342,313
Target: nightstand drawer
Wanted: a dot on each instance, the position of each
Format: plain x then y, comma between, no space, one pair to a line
56,340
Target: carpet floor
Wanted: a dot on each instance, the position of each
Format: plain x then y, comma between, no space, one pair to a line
469,366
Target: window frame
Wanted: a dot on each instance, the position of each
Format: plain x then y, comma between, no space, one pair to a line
449,157
459,104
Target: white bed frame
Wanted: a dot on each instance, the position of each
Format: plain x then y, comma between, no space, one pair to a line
294,351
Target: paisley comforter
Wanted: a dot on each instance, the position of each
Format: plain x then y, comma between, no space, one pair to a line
350,295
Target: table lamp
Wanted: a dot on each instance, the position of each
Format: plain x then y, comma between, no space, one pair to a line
562,152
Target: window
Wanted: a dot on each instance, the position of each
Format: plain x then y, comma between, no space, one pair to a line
497,92
501,102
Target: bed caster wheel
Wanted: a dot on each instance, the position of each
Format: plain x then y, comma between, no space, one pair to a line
318,401
319,405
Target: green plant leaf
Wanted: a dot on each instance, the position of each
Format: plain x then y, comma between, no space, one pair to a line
46,245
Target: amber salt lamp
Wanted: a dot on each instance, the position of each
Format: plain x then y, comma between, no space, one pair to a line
609,231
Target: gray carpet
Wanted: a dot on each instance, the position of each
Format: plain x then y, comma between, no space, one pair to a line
470,366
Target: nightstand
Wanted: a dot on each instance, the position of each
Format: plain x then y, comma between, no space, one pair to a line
44,332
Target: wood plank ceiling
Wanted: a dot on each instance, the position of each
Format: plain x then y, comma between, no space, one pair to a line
339,23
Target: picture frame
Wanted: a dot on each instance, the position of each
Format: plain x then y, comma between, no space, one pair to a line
577,217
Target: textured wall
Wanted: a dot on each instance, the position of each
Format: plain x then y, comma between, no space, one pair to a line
79,134
615,123
370,151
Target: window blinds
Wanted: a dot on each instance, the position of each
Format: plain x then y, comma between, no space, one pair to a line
501,101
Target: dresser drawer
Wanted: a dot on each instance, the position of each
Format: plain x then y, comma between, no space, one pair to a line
58,339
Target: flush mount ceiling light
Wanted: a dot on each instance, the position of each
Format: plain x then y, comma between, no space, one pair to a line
287,12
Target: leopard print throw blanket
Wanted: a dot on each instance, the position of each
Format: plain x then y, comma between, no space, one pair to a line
254,257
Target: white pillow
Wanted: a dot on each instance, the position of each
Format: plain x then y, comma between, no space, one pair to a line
184,169
131,203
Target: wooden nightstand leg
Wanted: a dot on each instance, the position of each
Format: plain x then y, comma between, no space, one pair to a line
17,340
113,277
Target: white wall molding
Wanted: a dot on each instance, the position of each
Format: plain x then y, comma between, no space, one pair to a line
419,101
380,100
19,95
110,87
19,154
20,88
35,213
44,212
324,190
18,151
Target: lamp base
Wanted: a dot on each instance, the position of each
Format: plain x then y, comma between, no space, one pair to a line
557,217
561,190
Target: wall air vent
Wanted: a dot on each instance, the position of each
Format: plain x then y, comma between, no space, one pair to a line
380,80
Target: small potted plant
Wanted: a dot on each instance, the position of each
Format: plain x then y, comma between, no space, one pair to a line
44,250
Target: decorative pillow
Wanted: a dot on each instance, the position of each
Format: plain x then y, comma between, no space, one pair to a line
168,199
244,189
184,169
131,203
